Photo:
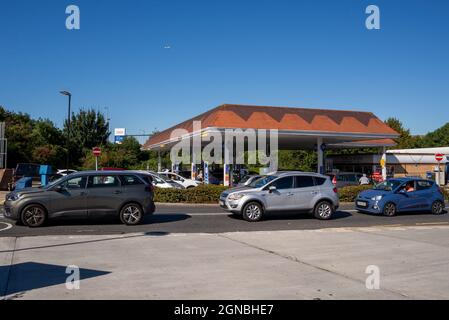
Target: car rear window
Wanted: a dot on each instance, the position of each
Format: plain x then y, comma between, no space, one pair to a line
304,182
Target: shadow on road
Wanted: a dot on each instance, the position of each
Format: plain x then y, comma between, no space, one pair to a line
399,214
295,216
27,276
148,220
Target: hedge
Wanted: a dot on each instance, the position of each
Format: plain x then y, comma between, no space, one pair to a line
211,194
200,194
348,194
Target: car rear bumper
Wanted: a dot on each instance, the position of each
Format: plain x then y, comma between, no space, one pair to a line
149,208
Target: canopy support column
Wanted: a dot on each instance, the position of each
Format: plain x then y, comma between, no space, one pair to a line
320,154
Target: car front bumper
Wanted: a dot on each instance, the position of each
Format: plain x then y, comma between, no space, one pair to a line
368,206
231,206
9,211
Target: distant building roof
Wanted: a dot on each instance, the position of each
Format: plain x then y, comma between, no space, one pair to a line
422,151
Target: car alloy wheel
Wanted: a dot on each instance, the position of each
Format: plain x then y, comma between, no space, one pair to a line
131,214
437,207
33,216
252,212
389,209
324,210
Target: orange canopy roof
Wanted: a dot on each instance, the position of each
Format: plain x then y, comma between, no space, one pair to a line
284,119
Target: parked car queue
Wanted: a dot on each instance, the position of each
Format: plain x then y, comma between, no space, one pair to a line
129,195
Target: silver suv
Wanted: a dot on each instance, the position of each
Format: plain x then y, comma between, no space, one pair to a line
283,191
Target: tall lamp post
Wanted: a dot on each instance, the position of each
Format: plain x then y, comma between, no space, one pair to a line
68,94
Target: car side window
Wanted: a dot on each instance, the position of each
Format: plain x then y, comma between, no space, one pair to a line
130,180
304,182
175,177
320,181
283,183
423,185
75,183
103,182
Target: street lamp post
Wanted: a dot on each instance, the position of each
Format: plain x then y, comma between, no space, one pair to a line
68,94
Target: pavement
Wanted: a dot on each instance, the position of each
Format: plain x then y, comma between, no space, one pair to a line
203,253
293,264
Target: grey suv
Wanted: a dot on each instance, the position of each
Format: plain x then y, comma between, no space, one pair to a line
84,194
283,191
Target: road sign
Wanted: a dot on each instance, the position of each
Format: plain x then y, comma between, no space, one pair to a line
439,157
120,132
96,151
119,139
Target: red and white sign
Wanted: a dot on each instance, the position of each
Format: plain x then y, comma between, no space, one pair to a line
96,151
439,157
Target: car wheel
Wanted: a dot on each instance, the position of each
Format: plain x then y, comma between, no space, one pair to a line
437,207
33,216
323,210
131,214
389,209
252,212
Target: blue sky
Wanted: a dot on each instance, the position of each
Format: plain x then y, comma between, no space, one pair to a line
315,54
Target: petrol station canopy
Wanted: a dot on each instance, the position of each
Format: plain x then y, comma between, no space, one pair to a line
298,128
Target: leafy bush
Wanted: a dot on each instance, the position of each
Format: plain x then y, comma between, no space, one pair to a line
349,193
200,194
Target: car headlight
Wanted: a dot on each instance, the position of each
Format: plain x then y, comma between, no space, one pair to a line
377,198
13,197
236,196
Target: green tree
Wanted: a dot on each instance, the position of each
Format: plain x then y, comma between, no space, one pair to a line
437,138
405,140
88,129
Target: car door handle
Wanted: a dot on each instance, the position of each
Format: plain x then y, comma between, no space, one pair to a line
290,194
314,192
117,192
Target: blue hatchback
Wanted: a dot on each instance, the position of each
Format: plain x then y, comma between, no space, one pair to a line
401,195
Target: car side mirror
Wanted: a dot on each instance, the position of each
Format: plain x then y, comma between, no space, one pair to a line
59,188
271,189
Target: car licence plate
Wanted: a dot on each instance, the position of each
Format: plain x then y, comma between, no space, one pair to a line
362,204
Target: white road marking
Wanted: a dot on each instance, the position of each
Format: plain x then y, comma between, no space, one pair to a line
8,226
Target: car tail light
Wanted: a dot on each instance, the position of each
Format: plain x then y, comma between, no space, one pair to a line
149,188
335,190
440,191
334,180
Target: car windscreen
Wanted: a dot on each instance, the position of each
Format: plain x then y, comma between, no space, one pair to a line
262,181
388,185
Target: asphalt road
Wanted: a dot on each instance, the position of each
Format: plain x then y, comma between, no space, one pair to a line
211,219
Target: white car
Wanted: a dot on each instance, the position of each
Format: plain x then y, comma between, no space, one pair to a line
162,182
186,183
65,172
